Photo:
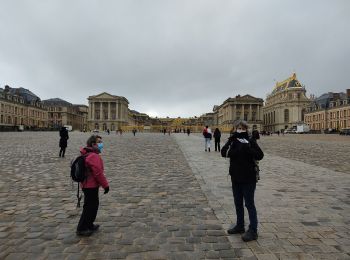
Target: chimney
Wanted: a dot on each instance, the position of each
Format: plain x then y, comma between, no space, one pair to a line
348,92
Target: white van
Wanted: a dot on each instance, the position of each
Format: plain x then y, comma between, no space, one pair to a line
69,127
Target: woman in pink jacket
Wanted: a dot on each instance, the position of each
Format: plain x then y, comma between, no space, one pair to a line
90,187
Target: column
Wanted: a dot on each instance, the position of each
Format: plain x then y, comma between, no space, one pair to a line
109,111
121,111
250,113
242,117
93,111
116,110
234,111
258,112
101,111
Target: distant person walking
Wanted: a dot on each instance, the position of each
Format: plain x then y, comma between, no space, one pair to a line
134,131
243,152
255,135
63,141
207,137
95,179
188,132
217,136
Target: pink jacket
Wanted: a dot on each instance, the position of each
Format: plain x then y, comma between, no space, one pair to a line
94,165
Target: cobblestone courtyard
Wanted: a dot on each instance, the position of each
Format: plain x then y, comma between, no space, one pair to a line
171,200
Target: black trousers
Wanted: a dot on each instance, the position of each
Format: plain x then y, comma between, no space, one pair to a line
244,192
217,144
90,209
62,151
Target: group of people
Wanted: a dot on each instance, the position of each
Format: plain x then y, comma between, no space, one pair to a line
242,149
208,136
244,154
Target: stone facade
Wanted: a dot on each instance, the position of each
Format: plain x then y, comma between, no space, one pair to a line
206,119
107,111
61,112
245,107
285,106
20,108
329,111
84,111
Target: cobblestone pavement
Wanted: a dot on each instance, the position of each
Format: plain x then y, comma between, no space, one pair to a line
161,207
154,210
329,151
303,209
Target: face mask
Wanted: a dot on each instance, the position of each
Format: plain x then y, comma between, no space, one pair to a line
241,131
100,147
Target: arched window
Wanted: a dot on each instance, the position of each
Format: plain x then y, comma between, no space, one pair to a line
286,115
97,126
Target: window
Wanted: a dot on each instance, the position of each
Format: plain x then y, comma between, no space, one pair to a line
286,115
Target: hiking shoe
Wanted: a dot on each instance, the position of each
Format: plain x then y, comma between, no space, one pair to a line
236,230
250,235
85,233
95,227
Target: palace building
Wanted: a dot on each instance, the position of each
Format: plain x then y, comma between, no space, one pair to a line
61,113
285,106
245,107
107,111
329,111
21,109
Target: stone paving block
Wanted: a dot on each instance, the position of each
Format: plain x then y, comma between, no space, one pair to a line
266,257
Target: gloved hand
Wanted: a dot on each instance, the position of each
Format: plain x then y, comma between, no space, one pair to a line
106,190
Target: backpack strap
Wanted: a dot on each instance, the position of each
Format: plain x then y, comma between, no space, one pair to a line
79,197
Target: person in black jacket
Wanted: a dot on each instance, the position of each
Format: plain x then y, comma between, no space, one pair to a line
243,152
63,141
217,136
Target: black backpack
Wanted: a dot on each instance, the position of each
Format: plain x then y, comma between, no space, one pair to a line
78,169
78,173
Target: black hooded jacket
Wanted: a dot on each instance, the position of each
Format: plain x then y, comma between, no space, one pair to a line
242,157
64,137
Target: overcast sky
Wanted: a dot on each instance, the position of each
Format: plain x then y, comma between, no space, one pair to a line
173,58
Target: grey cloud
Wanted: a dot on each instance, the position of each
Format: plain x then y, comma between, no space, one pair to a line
173,58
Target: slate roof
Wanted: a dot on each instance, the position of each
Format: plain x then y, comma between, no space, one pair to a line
27,95
56,102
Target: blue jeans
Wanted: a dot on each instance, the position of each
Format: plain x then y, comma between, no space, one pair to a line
245,192
207,143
